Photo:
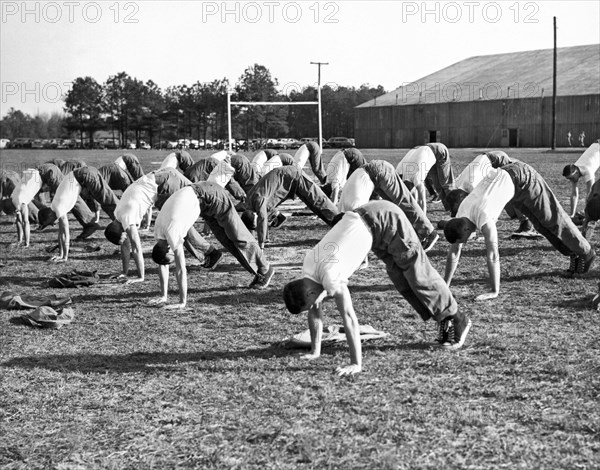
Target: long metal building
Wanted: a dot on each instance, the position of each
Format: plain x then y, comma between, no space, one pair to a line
502,100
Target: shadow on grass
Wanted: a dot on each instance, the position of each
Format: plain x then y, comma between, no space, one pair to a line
478,251
577,304
310,242
256,297
26,280
157,361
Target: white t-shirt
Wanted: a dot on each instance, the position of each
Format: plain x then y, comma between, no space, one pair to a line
301,156
121,164
339,254
136,200
27,188
273,163
337,170
221,174
220,155
66,195
170,161
589,162
177,217
488,198
357,191
258,161
472,175
416,164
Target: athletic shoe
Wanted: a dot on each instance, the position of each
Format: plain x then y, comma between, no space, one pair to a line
443,328
278,222
525,226
435,200
429,241
87,231
457,327
212,259
596,300
573,264
261,281
583,264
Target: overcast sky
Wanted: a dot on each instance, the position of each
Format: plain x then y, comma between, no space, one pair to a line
46,45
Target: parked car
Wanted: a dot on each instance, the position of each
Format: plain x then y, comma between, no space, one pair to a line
269,143
340,142
21,143
4,143
324,143
144,145
287,143
37,144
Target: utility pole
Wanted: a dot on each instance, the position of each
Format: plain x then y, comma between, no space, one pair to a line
554,71
318,64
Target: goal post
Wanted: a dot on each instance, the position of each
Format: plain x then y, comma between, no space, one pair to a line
271,103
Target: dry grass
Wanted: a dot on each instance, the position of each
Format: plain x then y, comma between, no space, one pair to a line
126,386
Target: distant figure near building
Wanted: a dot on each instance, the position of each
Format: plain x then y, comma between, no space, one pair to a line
582,139
569,136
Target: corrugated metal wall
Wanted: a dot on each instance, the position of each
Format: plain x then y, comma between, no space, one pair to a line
479,124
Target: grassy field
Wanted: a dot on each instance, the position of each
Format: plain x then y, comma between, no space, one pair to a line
127,386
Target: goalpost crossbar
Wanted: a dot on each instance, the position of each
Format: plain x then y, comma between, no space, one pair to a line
270,103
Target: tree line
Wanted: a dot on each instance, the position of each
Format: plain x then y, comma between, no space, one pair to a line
132,110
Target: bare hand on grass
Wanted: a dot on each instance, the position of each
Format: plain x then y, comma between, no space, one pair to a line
488,296
180,307
309,356
157,301
348,370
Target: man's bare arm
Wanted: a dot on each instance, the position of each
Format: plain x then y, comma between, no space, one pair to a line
490,233
351,327
452,261
574,197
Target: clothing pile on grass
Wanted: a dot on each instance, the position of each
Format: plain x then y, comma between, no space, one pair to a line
49,311
75,278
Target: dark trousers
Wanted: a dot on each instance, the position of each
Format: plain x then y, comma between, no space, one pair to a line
310,194
96,188
229,229
442,180
196,245
316,164
534,198
389,186
412,274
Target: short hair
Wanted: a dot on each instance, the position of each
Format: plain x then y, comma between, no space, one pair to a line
457,229
454,200
161,254
294,296
113,232
46,216
249,219
570,170
592,206
7,206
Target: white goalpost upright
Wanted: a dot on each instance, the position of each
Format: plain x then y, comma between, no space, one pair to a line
278,103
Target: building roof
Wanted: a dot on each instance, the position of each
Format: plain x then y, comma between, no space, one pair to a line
488,77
